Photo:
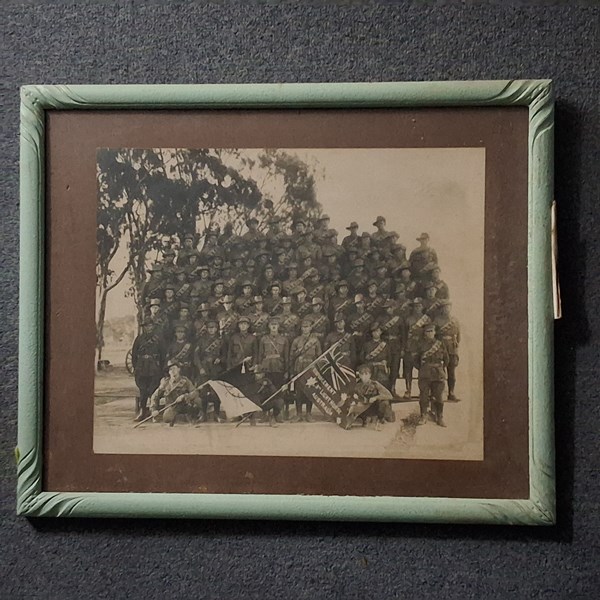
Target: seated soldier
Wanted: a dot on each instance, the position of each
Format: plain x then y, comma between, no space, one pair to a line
261,392
369,400
178,394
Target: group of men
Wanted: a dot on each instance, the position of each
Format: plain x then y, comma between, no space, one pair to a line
276,300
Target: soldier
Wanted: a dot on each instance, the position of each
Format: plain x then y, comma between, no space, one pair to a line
185,320
306,348
314,287
227,317
177,392
153,288
376,354
156,317
252,235
369,399
203,285
244,304
292,283
373,301
319,321
302,307
181,350
358,278
274,234
259,319
280,266
381,234
406,280
321,229
430,302
431,358
182,287
273,299
360,322
449,332
201,320
262,391
273,354
209,359
193,262
210,244
351,240
414,334
187,248
168,262
289,324
441,286
342,303
216,299
393,328
421,256
385,284
267,279
346,349
243,346
147,357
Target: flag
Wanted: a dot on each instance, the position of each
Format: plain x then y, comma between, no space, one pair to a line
326,383
230,388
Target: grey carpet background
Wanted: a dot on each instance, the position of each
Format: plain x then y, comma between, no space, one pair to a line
182,42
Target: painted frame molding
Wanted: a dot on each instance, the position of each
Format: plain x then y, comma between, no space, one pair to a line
537,95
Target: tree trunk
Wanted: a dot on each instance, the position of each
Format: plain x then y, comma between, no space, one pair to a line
100,325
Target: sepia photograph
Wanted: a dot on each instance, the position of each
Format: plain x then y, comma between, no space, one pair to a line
322,302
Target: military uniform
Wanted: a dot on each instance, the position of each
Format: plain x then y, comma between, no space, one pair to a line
376,354
179,394
346,348
147,357
420,258
182,351
273,357
431,359
240,347
449,333
393,331
414,335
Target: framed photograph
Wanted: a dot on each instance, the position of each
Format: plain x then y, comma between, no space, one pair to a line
292,301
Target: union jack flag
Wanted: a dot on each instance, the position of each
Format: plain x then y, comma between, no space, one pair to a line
338,375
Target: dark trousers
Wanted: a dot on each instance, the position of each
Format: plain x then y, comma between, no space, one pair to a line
147,384
207,395
452,372
182,408
433,389
408,365
394,370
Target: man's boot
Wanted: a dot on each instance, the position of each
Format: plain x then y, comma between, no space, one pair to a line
440,415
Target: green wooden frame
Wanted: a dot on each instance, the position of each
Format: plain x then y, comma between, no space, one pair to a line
537,95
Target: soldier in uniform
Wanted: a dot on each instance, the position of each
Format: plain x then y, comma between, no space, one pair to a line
227,317
181,349
170,306
274,234
244,304
252,235
147,357
243,346
289,323
201,320
392,328
358,278
421,256
273,353
273,299
318,319
342,302
378,238
209,361
434,272
203,285
385,284
177,392
414,334
360,322
406,280
376,354
431,358
153,288
449,333
259,319
346,348
301,307
373,301
369,399
168,262
321,229
292,283
306,348
431,304
351,240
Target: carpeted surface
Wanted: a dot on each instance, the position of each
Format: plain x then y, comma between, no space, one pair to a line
135,42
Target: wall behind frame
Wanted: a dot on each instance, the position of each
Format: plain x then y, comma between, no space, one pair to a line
183,42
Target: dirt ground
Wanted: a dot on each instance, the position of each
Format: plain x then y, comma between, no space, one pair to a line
114,433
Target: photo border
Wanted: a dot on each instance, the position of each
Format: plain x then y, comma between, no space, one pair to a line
537,95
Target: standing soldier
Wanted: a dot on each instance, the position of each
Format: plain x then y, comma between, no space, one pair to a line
351,240
346,348
358,278
378,238
147,357
384,283
377,355
170,307
292,283
201,320
274,234
342,302
186,250
216,300
203,285
153,288
227,317
156,317
431,303
321,229
360,322
414,334
319,320
168,262
209,360
306,348
449,332
244,304
243,346
442,287
252,235
421,256
181,349
392,328
273,299
431,358
289,322
259,319
373,301
273,354
302,307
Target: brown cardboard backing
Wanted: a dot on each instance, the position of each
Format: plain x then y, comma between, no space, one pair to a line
71,143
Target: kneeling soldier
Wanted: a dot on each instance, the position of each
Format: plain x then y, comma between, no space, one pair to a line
432,360
260,391
178,393
370,399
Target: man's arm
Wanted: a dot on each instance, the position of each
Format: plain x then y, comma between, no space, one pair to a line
382,392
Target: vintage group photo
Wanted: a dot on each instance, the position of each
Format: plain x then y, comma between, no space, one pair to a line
290,302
